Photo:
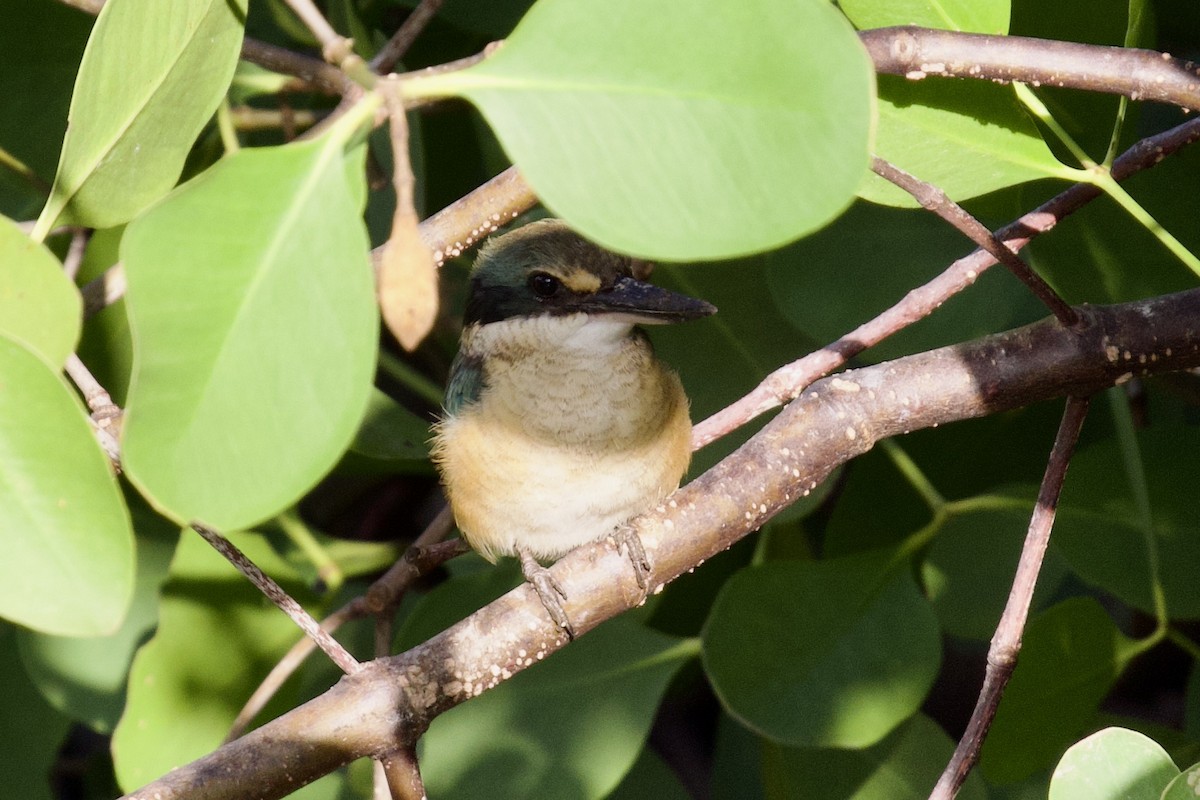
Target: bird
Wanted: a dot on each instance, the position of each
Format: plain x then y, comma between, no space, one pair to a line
560,423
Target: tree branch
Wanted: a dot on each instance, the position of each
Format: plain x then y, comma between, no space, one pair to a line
1002,655
917,53
388,703
788,381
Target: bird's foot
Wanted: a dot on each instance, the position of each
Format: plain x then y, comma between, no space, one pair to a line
549,591
626,538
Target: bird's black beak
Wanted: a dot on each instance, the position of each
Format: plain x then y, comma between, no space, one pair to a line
645,303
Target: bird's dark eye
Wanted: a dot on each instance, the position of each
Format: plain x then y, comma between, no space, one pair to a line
544,285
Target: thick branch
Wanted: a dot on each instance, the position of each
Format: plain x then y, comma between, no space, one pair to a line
917,53
389,703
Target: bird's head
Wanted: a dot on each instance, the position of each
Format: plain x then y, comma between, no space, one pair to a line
546,269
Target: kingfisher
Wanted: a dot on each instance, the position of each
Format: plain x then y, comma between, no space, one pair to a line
560,422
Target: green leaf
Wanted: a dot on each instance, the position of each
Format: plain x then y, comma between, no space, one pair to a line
1114,764
1124,261
967,138
31,730
217,638
700,131
970,566
904,766
976,16
570,727
1071,656
39,306
847,652
1183,787
68,548
1099,531
252,304
84,677
391,432
151,77
867,260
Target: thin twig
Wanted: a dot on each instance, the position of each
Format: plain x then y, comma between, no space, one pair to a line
310,70
387,57
74,257
934,199
917,53
103,290
785,384
106,415
382,596
335,48
467,221
1006,644
275,593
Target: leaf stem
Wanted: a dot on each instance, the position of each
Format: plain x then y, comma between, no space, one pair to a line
913,474
1135,474
329,572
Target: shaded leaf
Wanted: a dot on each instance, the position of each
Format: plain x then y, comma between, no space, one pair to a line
84,677
867,260
31,730
217,638
970,567
1099,531
570,727
847,652
1071,655
904,766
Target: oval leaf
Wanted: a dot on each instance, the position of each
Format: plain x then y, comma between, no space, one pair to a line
1100,532
68,547
151,77
1070,658
39,306
1114,764
977,16
903,766
252,305
697,132
217,638
847,653
967,138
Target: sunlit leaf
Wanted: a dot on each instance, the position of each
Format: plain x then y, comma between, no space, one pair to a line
68,548
150,78
252,305
975,16
1114,764
39,306
699,131
967,138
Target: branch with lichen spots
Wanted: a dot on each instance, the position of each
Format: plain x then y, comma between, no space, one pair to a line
390,702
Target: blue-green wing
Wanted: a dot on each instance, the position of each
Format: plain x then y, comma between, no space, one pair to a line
465,384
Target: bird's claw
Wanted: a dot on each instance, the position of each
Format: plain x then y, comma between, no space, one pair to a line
548,589
628,542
